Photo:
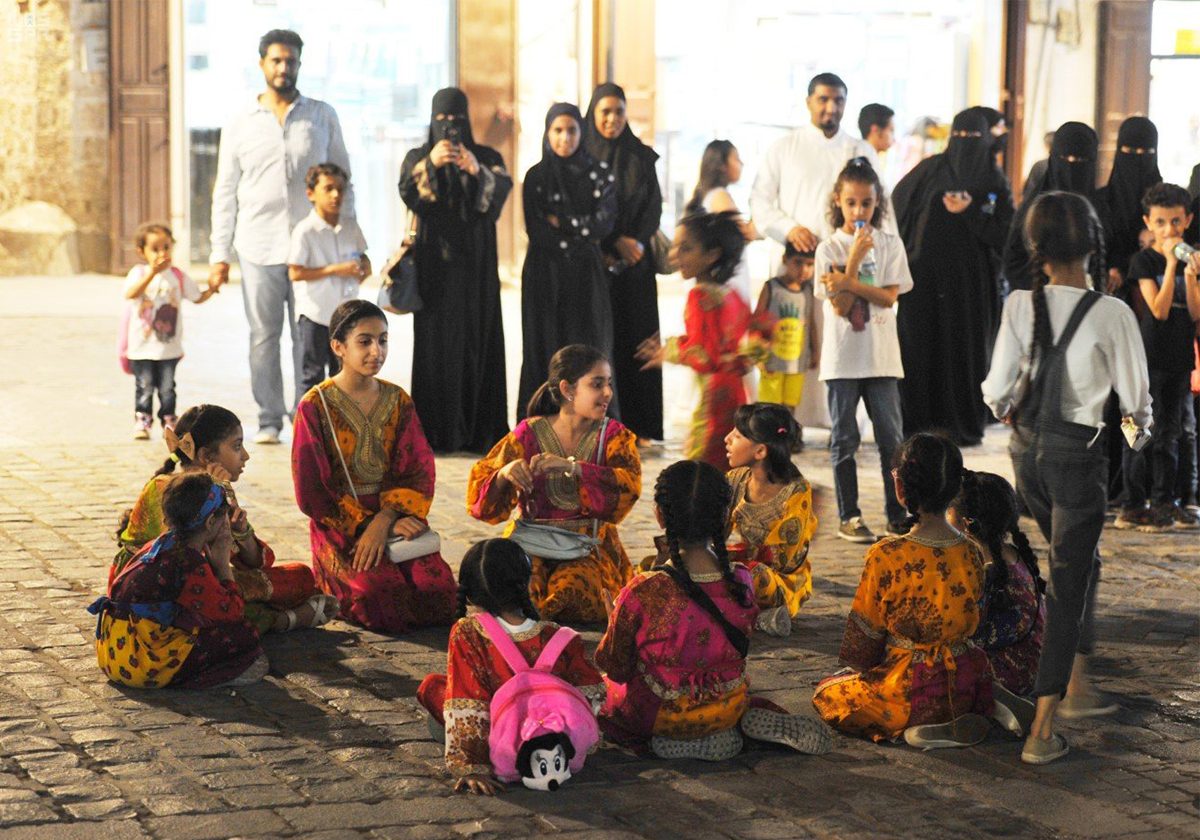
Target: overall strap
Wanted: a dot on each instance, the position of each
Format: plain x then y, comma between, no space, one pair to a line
554,648
503,642
1045,398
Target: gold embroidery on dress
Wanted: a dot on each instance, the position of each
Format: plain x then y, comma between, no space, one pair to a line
755,520
368,462
562,491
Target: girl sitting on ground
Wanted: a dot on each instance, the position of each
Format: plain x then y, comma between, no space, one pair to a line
772,521
364,475
568,466
913,669
1014,621
208,439
493,579
174,616
674,654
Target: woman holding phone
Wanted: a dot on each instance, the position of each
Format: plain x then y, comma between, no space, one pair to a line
954,211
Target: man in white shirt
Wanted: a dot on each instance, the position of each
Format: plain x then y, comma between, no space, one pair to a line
791,193
258,198
790,198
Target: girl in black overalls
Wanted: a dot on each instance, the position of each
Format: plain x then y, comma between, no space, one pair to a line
1057,447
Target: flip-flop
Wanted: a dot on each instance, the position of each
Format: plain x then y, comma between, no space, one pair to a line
322,614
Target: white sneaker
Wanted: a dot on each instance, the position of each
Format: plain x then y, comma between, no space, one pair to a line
267,436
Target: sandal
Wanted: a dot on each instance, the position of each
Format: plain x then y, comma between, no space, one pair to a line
325,609
1044,750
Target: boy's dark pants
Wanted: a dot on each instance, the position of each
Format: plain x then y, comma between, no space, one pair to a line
315,355
1169,392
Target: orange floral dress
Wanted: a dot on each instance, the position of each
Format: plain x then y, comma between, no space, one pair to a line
772,539
566,590
908,641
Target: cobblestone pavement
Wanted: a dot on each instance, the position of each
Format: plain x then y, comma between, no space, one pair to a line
332,743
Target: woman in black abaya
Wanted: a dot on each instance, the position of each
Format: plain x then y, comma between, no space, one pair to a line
570,208
1135,170
608,137
953,211
457,189
1071,168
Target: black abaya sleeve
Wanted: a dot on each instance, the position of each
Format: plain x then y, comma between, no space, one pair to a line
991,228
1018,270
541,233
409,191
644,219
502,183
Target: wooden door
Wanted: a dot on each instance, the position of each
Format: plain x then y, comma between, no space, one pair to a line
1012,92
139,141
1122,71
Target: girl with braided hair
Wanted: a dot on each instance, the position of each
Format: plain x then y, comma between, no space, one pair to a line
771,521
493,578
208,439
708,247
675,649
913,669
1063,348
1014,620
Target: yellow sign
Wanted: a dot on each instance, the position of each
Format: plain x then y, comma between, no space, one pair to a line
1187,42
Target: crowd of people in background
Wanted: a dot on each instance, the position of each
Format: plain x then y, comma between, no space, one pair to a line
939,305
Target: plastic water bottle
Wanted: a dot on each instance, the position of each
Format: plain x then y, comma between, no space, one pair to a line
989,209
1183,252
866,269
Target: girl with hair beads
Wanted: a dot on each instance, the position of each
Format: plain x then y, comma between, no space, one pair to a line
569,467
1015,619
174,615
1063,348
913,669
863,270
674,653
708,247
364,475
493,580
772,521
208,439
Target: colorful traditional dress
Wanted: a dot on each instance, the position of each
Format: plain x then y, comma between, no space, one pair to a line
772,538
908,638
391,466
566,590
715,321
266,588
169,620
1011,633
461,698
669,667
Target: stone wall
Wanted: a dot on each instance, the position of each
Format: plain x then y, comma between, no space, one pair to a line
54,128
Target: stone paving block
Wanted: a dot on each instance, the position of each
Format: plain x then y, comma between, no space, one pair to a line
243,823
25,811
117,829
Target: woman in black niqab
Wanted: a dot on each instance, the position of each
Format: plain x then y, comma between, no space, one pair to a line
570,208
458,380
1071,168
1135,170
953,212
627,253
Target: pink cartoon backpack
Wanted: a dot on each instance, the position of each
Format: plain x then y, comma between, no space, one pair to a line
542,727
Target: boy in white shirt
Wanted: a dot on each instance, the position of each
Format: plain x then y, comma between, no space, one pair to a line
153,338
862,270
327,261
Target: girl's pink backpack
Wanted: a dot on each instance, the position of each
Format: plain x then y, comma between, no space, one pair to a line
534,705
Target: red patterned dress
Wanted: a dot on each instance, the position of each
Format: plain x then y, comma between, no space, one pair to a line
391,466
716,319
1011,632
461,698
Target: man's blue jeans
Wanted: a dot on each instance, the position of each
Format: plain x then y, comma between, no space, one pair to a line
267,295
882,397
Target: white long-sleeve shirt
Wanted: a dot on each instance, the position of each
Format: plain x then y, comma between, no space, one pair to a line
259,194
795,182
1106,354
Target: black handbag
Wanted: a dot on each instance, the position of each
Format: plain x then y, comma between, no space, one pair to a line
400,291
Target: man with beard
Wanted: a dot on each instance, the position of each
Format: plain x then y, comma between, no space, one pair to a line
258,198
